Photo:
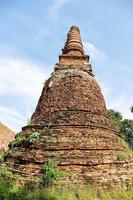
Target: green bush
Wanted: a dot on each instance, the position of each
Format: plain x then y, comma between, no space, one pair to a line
34,137
5,172
125,126
51,174
17,141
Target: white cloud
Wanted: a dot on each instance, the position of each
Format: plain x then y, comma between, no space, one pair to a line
119,102
94,53
21,79
53,11
12,118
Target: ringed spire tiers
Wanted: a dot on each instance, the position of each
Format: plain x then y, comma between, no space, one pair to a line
73,45
73,55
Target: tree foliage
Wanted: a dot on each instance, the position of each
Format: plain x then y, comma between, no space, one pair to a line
125,126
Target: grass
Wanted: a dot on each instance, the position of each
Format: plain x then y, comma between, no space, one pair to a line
10,190
120,155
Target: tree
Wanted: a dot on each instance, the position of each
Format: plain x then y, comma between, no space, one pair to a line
131,109
116,118
125,126
127,130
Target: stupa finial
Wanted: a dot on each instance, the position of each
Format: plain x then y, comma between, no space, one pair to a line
73,44
73,55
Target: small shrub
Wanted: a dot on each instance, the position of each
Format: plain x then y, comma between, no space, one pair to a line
17,141
34,137
5,172
52,174
30,121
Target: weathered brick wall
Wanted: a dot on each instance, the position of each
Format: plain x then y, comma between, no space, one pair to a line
89,153
70,90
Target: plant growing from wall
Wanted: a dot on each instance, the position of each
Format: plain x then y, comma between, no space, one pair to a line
121,155
30,122
5,172
34,137
51,174
17,141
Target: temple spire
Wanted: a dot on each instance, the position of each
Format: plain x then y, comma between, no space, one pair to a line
73,45
73,56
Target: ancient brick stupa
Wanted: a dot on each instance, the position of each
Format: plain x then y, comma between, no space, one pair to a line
74,129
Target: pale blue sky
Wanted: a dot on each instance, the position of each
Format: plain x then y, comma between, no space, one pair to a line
32,34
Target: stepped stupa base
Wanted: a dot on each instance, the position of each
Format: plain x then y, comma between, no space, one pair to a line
90,154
